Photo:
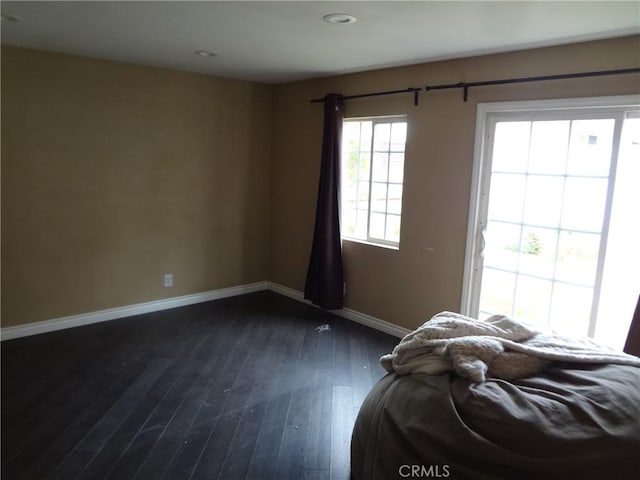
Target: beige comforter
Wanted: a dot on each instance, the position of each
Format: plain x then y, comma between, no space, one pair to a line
498,347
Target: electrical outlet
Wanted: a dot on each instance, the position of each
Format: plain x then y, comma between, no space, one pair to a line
168,279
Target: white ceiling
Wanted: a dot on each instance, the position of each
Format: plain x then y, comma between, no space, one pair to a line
275,42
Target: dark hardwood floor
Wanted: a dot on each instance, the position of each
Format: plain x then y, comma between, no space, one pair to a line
244,387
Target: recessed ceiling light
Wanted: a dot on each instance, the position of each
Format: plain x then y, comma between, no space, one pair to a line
204,53
10,17
339,18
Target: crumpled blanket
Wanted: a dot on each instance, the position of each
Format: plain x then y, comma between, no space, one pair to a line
498,347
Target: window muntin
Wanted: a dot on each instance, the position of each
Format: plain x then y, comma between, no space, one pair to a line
372,179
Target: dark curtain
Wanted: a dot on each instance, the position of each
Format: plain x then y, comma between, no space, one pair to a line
324,285
632,345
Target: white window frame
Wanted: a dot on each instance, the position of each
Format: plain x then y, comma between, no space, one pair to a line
369,240
487,115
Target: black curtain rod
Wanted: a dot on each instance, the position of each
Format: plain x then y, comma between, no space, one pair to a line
467,85
413,90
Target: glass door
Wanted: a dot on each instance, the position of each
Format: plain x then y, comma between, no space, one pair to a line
545,212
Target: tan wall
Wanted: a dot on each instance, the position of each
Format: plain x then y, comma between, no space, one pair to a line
114,174
406,287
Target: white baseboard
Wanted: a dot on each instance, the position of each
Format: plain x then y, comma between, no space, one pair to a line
9,333
347,313
36,328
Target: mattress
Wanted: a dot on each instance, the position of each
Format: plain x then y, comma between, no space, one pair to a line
572,421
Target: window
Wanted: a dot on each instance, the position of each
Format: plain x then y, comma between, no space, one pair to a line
554,215
372,174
